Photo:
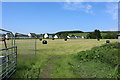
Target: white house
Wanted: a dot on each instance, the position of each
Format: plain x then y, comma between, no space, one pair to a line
68,37
55,36
46,35
82,37
30,36
8,35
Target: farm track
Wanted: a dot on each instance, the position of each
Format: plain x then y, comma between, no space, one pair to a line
47,72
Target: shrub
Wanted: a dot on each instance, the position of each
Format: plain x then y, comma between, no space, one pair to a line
107,53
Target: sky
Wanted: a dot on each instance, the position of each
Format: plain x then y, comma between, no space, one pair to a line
52,17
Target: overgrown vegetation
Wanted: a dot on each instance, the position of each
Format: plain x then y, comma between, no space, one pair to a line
106,54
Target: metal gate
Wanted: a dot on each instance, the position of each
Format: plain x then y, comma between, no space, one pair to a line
8,54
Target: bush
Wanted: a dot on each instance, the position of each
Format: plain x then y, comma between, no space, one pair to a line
107,53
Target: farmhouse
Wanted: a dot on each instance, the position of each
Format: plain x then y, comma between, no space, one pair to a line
32,35
55,36
83,37
48,35
68,37
119,37
8,35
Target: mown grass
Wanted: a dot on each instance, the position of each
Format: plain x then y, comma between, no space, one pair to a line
59,59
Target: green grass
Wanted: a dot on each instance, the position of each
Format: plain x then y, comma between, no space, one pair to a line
58,59
103,58
78,34
85,34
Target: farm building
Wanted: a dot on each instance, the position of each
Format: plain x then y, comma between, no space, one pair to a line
72,37
83,37
75,37
40,36
68,37
48,35
32,35
119,37
60,36
55,36
78,37
21,36
8,35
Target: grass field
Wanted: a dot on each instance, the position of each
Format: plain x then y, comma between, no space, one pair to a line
57,59
85,34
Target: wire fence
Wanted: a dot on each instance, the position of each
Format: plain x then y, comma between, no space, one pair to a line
26,47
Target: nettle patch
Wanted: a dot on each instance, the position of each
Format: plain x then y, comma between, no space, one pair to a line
107,54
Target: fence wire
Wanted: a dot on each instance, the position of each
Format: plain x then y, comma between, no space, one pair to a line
26,47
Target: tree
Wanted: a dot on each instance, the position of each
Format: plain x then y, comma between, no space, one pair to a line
109,35
95,35
65,35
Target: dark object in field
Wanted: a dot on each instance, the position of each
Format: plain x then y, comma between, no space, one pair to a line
98,39
40,39
7,38
52,38
107,41
44,42
65,39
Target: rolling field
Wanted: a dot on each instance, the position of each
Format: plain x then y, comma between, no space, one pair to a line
57,59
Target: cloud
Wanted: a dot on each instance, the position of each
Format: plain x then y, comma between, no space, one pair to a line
75,6
112,9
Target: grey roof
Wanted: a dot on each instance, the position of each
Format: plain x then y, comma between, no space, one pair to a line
20,35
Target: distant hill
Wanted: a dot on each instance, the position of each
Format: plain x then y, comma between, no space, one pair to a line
81,33
69,32
110,31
